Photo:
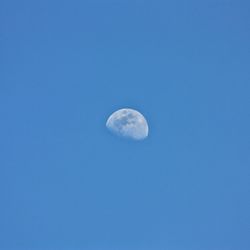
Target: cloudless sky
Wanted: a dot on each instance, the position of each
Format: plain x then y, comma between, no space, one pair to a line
66,183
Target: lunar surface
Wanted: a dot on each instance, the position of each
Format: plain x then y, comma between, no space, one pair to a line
128,123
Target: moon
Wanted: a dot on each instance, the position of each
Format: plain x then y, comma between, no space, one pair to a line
128,123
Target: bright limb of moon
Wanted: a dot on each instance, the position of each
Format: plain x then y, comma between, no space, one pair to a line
128,123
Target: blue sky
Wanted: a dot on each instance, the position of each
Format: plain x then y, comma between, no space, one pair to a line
66,183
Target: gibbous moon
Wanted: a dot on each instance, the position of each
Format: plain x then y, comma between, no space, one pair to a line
128,123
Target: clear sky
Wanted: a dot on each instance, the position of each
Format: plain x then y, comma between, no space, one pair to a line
66,183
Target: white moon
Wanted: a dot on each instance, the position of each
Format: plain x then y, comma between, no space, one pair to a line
128,123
